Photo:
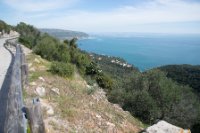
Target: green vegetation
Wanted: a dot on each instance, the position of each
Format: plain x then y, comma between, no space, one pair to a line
63,54
184,74
28,34
51,49
62,69
4,27
151,95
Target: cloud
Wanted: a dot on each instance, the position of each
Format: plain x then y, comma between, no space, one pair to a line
38,5
143,16
129,17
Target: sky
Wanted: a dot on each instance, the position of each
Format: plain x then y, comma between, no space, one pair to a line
152,16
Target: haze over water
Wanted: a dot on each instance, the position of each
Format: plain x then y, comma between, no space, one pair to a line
147,51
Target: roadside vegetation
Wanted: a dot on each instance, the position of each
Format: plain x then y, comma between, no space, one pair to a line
5,27
64,55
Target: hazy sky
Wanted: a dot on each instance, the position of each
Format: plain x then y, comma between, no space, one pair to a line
165,16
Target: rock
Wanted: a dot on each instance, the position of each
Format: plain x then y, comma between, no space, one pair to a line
98,116
36,60
111,127
88,86
32,69
30,64
56,90
164,127
42,79
47,107
110,124
40,91
33,84
50,111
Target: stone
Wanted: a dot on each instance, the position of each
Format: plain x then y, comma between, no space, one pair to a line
110,124
56,90
50,111
98,116
111,127
40,91
47,107
164,127
33,84
30,64
32,69
42,79
88,86
36,60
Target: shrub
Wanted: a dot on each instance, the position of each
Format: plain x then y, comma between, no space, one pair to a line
62,69
51,49
104,81
92,69
28,34
141,104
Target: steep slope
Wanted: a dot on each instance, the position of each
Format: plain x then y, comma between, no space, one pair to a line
70,105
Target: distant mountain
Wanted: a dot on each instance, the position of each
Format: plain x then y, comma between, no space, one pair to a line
65,34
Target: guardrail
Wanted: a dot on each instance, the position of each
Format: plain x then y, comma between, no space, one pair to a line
17,113
15,117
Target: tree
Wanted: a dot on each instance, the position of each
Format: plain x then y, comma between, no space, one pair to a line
72,43
66,41
47,47
28,34
104,81
141,104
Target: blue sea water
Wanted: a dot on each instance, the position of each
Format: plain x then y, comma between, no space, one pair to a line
147,51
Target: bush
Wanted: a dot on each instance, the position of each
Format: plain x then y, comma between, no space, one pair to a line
141,105
51,49
104,81
92,69
28,34
62,69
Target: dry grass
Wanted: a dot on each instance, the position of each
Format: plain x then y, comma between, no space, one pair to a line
76,109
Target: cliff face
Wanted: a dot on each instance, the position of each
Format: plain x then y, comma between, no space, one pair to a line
71,105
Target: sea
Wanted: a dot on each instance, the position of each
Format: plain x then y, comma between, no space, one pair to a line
146,50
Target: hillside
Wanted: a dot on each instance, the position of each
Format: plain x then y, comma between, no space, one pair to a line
184,74
149,96
71,105
64,34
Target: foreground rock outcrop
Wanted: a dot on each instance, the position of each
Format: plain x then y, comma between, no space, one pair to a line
164,127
